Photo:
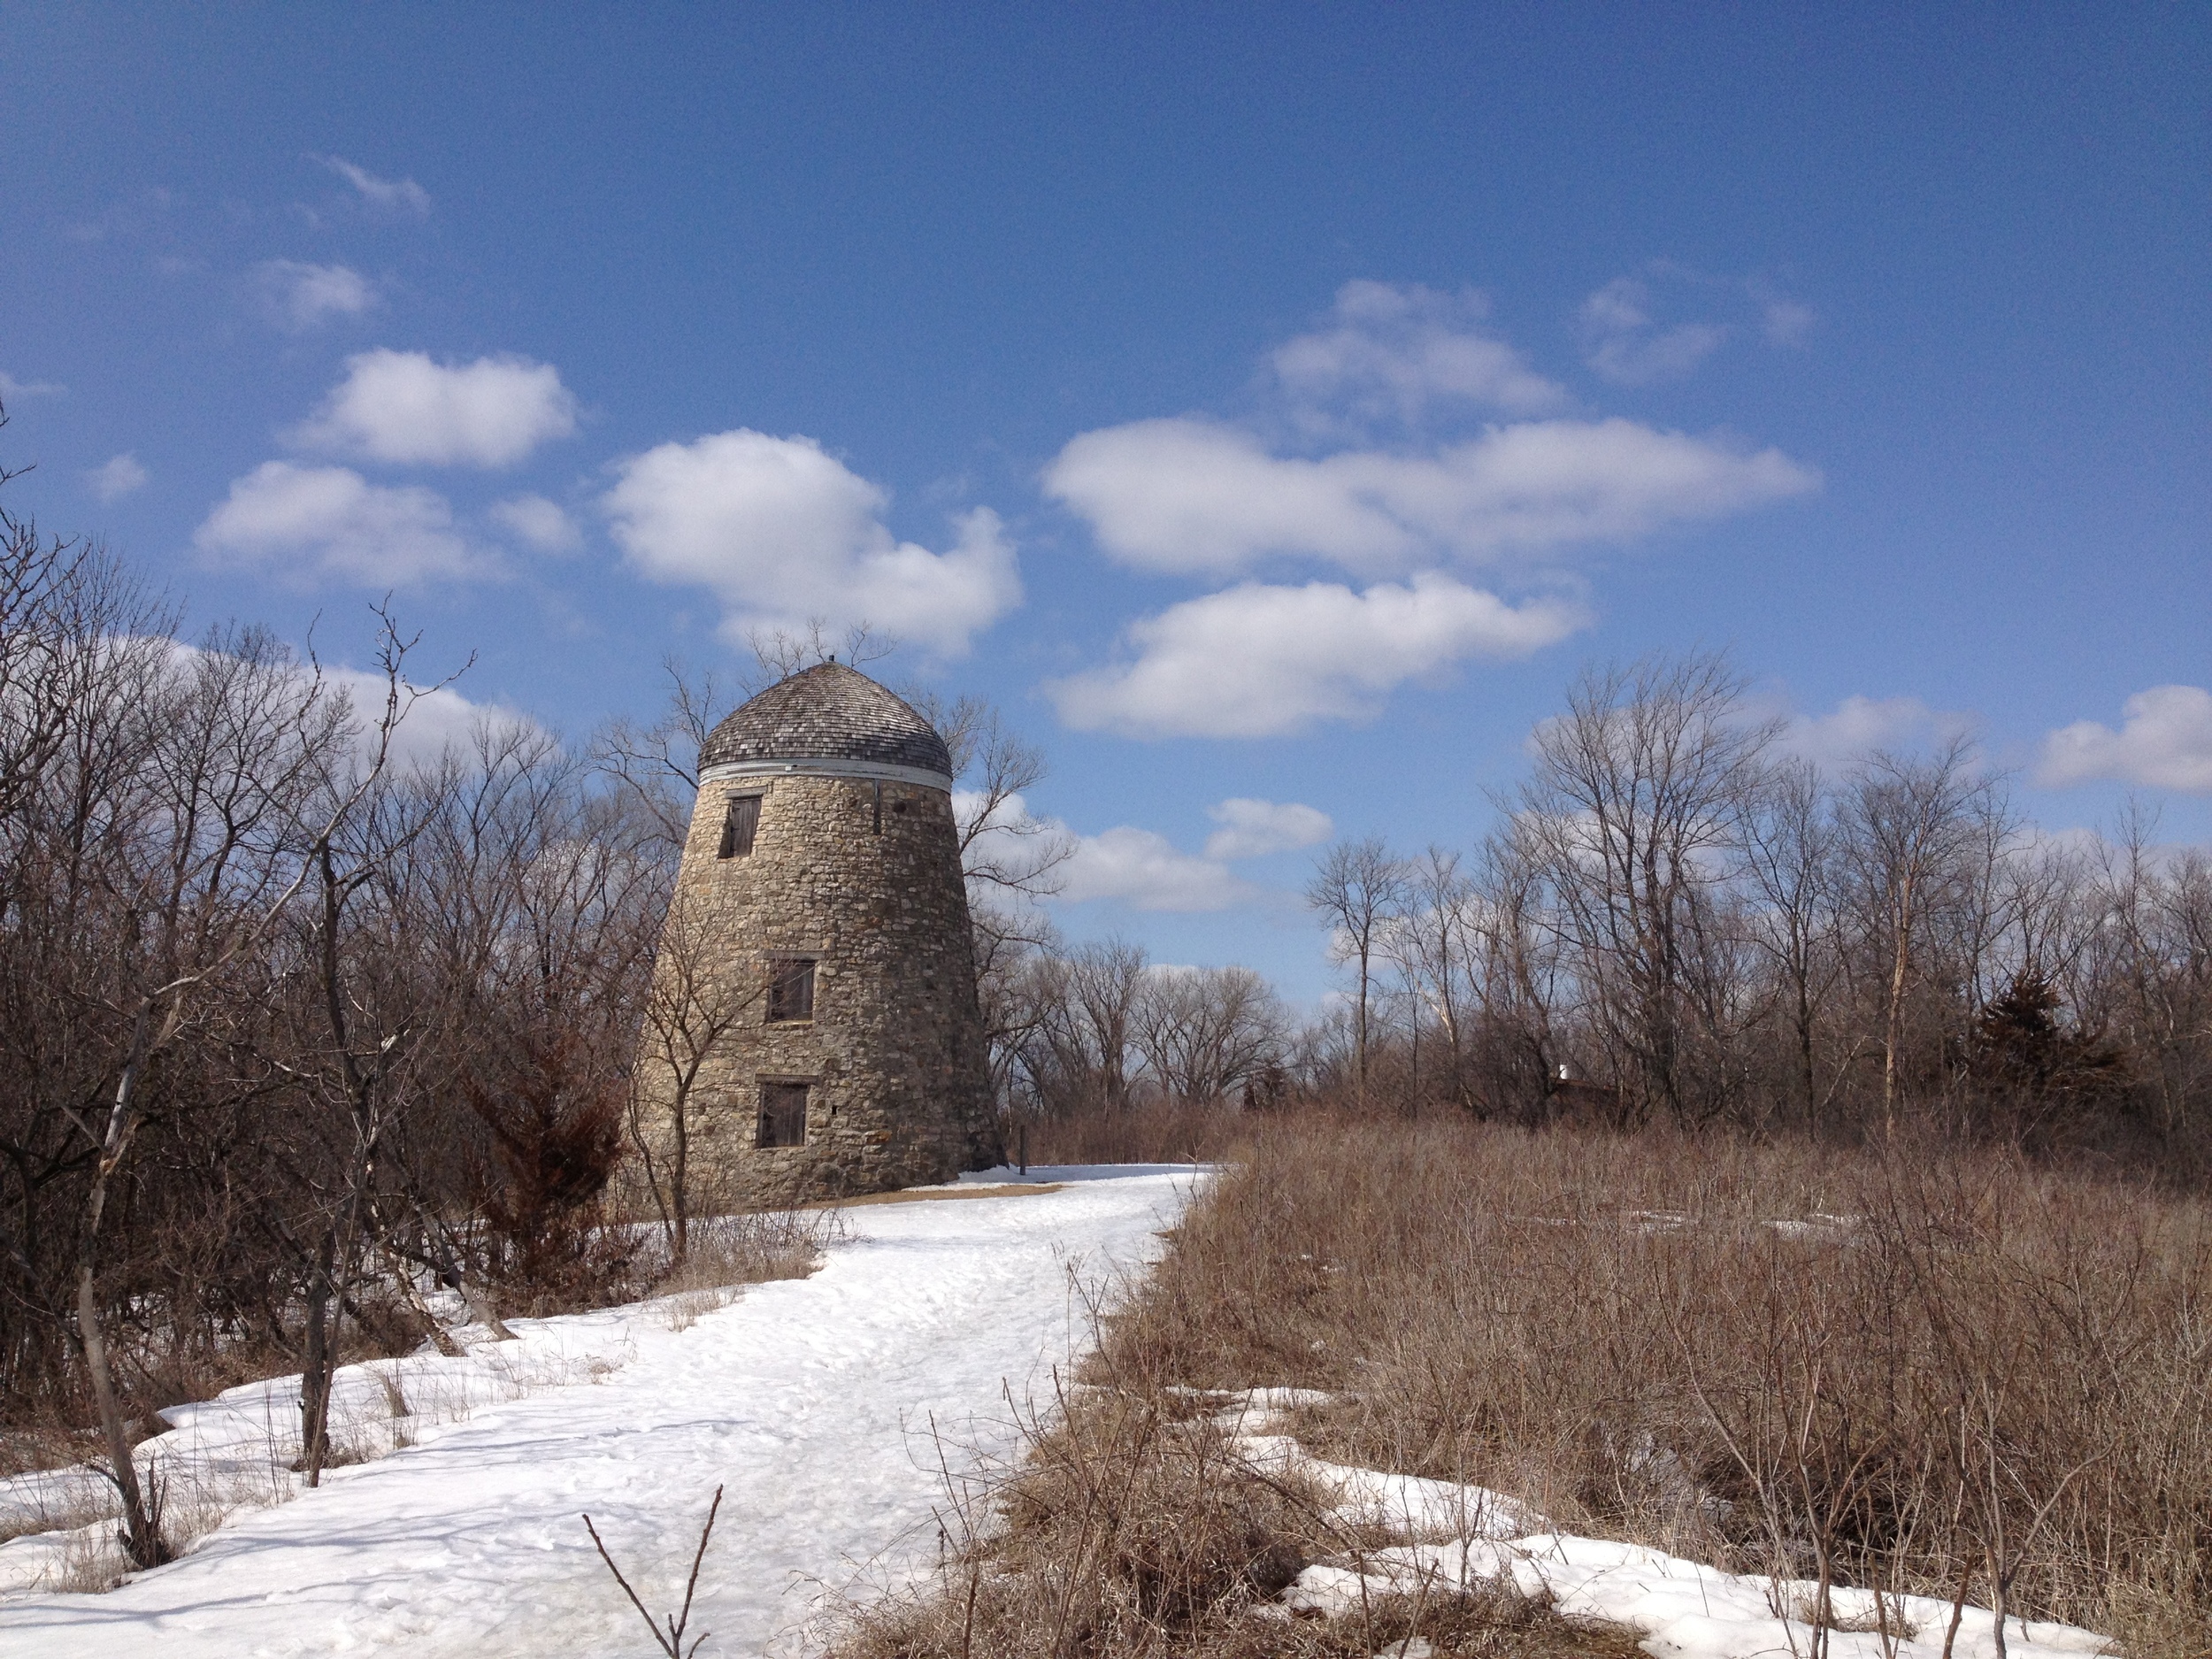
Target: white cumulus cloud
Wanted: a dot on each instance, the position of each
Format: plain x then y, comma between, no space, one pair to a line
403,195
1393,350
401,406
297,298
1260,661
436,721
116,477
1190,496
328,522
1252,829
1859,724
2164,742
543,524
783,532
1147,871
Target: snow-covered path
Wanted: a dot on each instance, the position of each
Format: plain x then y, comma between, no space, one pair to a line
813,1401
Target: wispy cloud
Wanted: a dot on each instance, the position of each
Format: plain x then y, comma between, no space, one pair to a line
116,477
400,195
540,523
1782,320
1634,331
12,388
1393,351
1146,870
1859,724
1252,829
1197,496
297,297
1125,865
1627,347
1194,496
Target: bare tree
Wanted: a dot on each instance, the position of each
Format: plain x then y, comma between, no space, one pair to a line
1515,977
1359,890
236,745
698,994
1206,1033
781,652
658,763
1911,829
1433,943
1632,809
374,1014
1788,845
1081,1045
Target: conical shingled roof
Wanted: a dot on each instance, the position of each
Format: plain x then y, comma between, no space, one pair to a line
827,712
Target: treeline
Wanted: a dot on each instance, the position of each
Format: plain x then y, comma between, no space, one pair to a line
287,1028
1677,920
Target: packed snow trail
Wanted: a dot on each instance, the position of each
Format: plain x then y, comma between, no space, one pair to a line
813,1401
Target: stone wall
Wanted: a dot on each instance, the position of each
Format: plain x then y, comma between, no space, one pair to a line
898,1081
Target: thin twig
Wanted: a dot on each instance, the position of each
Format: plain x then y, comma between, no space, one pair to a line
671,1644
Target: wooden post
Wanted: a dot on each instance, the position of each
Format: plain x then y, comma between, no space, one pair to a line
1022,1136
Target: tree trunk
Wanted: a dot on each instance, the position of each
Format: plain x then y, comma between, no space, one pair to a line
315,1369
1359,1030
142,1536
678,1180
1893,1026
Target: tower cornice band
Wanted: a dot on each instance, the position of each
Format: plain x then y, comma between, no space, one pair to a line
882,772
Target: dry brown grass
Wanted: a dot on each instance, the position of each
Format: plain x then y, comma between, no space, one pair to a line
1910,1369
1135,1528
728,1253
724,1252
1158,1132
1917,1368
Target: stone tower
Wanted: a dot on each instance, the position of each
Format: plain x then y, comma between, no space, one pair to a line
820,940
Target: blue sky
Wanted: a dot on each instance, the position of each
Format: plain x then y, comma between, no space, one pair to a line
1262,405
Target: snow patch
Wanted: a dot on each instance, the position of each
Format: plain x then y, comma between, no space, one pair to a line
1460,1538
831,1409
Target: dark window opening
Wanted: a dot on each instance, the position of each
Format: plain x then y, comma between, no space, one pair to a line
782,1115
879,806
791,989
739,826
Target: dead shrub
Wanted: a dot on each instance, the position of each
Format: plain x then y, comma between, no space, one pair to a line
750,1248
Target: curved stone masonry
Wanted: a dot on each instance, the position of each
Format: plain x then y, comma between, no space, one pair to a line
853,878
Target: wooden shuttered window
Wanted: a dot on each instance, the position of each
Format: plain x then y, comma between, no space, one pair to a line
739,826
782,1115
791,989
